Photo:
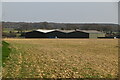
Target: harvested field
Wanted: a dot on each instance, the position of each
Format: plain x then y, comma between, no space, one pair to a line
62,58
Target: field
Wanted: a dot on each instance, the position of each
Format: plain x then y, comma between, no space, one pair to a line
62,58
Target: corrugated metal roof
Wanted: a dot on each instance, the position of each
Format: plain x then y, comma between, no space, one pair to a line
68,31
90,31
44,31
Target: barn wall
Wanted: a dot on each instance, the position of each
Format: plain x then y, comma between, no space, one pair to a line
101,35
77,34
35,34
57,34
96,35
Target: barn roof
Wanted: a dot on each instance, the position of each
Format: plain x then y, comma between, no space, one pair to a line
86,31
90,31
68,31
45,31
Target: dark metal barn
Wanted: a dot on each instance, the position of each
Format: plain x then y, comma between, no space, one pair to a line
93,33
77,34
64,34
56,34
35,34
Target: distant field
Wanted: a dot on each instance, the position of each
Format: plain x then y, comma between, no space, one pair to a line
62,58
7,30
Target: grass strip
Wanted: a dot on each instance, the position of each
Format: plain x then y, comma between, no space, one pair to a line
5,51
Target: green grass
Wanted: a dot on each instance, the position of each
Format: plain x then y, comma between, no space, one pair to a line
7,30
5,51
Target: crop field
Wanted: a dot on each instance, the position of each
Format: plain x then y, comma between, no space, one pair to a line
62,58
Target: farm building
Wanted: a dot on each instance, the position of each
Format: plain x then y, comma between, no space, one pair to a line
56,34
93,33
34,34
64,34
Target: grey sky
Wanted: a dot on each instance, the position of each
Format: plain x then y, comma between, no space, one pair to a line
70,12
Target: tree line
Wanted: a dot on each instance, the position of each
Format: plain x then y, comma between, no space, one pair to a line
66,26
21,27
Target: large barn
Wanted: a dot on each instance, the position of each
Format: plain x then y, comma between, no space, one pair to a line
93,33
64,34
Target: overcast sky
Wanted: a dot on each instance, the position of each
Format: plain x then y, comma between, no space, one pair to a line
66,12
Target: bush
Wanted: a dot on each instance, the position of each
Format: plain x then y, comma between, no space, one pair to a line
9,35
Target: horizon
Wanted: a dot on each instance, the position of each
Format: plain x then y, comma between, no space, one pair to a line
59,22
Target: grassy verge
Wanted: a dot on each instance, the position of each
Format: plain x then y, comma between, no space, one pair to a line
5,51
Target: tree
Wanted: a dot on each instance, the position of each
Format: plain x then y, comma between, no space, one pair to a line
45,25
19,30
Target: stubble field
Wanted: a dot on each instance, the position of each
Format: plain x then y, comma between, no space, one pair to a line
62,58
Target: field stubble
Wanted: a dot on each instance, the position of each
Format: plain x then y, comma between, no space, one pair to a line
62,58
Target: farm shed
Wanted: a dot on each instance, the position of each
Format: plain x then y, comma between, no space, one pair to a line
84,34
35,34
77,34
64,34
56,34
46,34
93,33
